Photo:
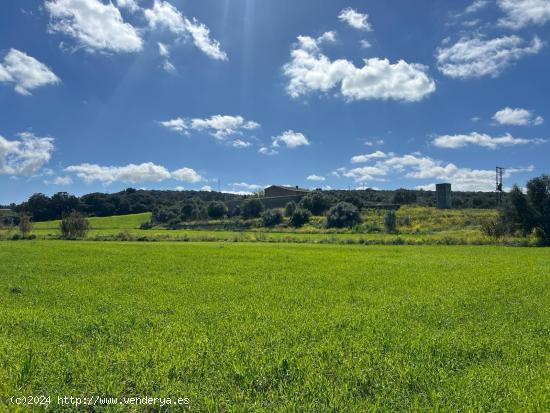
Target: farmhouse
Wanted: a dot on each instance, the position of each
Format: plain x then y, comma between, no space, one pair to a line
277,190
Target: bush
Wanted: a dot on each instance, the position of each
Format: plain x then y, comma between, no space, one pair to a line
272,217
493,228
290,208
216,210
300,217
74,225
252,208
25,225
343,215
390,221
316,203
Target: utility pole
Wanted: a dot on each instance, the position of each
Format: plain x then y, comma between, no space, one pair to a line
499,188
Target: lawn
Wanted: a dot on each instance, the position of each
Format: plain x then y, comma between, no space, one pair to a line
277,327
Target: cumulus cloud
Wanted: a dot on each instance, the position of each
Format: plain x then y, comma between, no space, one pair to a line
476,56
418,166
219,126
130,5
355,19
521,13
25,156
94,25
291,139
517,117
309,70
165,16
145,172
481,139
316,178
367,157
25,72
187,175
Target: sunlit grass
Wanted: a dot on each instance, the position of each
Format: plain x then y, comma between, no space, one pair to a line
263,327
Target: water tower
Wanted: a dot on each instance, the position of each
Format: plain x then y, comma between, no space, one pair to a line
444,199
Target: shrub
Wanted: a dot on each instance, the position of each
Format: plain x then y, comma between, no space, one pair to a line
272,217
493,228
25,225
300,217
343,215
316,203
390,221
74,225
290,208
216,210
146,225
252,208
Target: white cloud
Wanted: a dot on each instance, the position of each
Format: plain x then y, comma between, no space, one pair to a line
476,56
145,172
476,6
94,25
25,72
187,175
165,16
130,5
245,188
239,143
365,44
417,166
60,181
291,139
266,150
219,126
481,139
311,71
521,13
316,178
25,156
517,117
375,142
206,188
367,157
355,19
164,52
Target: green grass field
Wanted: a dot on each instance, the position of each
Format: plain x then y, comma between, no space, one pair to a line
426,226
277,327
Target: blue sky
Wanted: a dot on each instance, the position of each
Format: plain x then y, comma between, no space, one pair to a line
99,95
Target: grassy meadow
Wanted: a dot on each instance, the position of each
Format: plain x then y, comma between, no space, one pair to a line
416,226
277,327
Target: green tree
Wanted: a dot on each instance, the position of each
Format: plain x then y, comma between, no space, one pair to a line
272,217
25,224
343,214
390,221
290,207
300,217
316,203
252,208
216,209
74,226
